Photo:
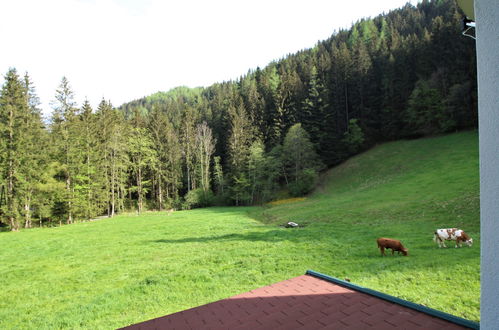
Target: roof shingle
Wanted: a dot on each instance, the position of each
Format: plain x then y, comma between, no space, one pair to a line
303,302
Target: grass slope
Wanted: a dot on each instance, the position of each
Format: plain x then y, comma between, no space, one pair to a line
111,273
404,190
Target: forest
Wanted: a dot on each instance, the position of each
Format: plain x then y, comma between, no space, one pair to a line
405,74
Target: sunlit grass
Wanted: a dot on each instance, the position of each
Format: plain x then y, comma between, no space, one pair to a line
404,190
114,272
287,201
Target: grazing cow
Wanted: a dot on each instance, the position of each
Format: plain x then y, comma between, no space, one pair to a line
451,234
389,243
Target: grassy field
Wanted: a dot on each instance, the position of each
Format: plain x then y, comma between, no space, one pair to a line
115,272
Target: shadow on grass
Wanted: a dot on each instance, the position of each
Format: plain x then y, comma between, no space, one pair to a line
227,209
360,246
291,234
355,254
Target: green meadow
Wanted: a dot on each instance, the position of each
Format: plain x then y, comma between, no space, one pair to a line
115,272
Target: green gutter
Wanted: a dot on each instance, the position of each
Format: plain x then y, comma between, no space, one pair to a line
405,303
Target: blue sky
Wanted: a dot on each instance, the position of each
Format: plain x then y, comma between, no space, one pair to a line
124,49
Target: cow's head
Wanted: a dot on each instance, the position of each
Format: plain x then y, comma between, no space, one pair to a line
405,251
469,242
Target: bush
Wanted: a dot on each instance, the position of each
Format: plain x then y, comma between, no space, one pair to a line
304,184
198,198
222,199
173,203
353,137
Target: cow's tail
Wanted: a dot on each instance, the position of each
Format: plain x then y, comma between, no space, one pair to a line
435,236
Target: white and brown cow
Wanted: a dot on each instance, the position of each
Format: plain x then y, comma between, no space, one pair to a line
451,234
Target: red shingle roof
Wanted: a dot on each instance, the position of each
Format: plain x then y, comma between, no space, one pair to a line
303,302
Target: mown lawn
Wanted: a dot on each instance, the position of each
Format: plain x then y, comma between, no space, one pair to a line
115,272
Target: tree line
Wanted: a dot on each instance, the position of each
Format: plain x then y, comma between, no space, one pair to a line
405,74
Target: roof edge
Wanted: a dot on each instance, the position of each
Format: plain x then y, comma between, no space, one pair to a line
405,303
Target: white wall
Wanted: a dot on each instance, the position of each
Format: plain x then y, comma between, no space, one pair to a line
487,32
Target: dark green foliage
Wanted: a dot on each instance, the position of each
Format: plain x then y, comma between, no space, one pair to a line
354,137
241,189
459,104
142,159
22,136
368,73
264,172
305,182
198,198
162,263
13,111
404,74
65,137
426,113
167,171
300,160
112,157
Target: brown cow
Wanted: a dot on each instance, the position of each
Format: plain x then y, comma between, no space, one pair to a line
389,243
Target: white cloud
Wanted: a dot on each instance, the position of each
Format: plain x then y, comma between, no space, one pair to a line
125,49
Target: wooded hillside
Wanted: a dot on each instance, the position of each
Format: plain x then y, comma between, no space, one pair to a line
405,74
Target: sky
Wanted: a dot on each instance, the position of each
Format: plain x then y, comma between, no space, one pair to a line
122,50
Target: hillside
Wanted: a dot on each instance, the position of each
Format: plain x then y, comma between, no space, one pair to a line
404,190
402,74
425,179
111,273
408,73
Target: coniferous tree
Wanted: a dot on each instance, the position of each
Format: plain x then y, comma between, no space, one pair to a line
239,142
273,114
353,137
91,179
205,146
113,159
316,116
173,154
219,176
366,73
300,159
14,111
425,113
156,124
142,158
34,163
407,73
256,169
253,101
65,136
188,143
263,172
168,168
